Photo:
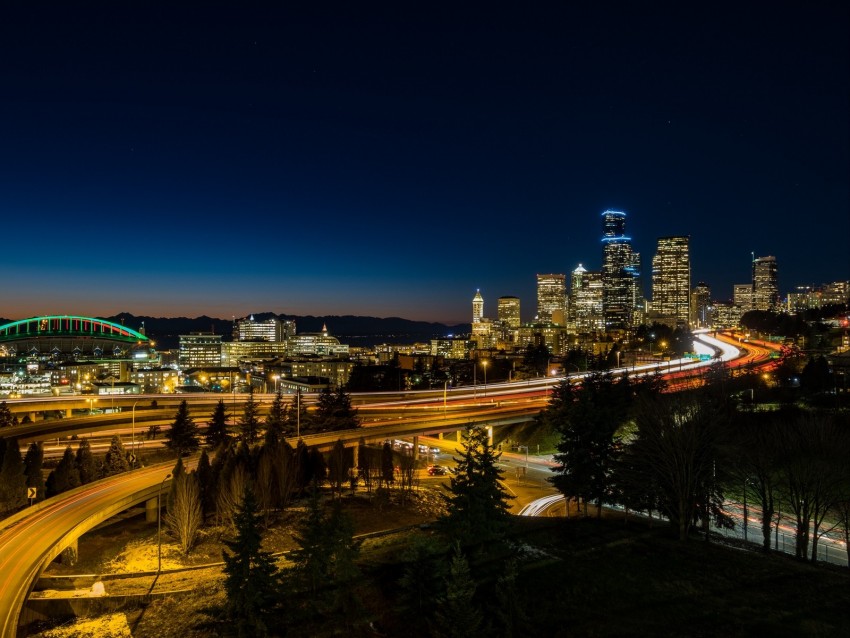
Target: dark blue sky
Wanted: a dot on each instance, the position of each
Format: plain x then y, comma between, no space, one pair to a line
338,161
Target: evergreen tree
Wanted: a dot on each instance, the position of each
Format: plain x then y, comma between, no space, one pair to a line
115,460
303,469
64,476
510,607
334,411
176,473
477,506
249,424
311,560
13,482
588,420
387,465
457,615
276,420
205,483
182,437
32,469
251,577
216,434
85,463
339,464
7,419
422,580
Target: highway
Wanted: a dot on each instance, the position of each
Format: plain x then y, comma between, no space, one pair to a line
31,539
28,543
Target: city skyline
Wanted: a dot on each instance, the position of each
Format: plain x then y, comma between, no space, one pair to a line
171,163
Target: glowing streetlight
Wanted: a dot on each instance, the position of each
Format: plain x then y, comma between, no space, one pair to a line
484,365
159,525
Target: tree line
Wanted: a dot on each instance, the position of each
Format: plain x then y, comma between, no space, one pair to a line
685,455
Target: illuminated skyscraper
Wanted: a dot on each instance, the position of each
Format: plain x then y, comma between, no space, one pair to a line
477,307
551,299
586,301
620,273
509,311
742,296
701,306
765,284
671,281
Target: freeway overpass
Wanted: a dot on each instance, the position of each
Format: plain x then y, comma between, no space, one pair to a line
32,538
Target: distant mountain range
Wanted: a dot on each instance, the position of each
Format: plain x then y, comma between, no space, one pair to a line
350,329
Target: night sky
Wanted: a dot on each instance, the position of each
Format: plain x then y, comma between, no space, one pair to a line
224,161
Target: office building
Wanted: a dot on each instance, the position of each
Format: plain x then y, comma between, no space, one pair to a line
765,284
671,281
250,329
586,315
551,299
620,274
742,296
477,307
701,306
200,350
508,312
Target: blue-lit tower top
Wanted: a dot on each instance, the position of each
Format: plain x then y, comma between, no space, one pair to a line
613,225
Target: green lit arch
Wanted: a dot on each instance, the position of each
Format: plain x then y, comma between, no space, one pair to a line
69,326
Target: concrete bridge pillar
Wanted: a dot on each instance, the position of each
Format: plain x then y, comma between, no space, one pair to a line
440,436
32,416
415,448
459,436
69,412
151,510
355,456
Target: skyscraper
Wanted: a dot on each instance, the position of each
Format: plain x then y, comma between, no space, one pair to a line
586,301
765,284
551,299
671,281
620,273
477,307
701,306
508,309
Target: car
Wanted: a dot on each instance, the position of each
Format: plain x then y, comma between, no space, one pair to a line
437,470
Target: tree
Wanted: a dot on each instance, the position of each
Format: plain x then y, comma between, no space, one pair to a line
13,482
115,460
510,604
477,505
334,411
422,580
675,450
339,465
252,581
64,476
812,467
32,469
85,463
536,359
387,466
216,434
249,424
457,614
185,515
276,420
7,419
182,437
588,420
205,484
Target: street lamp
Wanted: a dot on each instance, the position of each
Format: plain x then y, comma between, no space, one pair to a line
445,393
91,405
298,413
484,365
276,383
159,525
133,445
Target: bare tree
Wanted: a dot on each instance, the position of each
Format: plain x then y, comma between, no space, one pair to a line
184,517
407,465
815,448
674,451
230,493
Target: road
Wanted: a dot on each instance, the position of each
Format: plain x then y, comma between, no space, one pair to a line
37,535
